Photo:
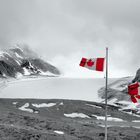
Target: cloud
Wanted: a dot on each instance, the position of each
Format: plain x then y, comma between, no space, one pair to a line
67,28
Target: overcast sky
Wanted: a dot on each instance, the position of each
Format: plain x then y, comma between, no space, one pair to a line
63,31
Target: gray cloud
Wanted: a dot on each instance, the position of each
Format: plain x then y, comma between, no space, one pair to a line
66,28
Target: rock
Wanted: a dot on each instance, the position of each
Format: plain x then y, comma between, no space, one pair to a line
137,77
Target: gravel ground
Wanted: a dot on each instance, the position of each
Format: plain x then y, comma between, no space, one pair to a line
50,123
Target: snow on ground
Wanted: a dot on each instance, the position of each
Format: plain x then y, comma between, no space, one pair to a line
17,55
59,132
108,118
14,103
138,127
19,75
136,121
130,113
26,72
76,115
112,102
129,105
120,84
54,88
93,105
44,105
36,112
114,119
61,103
47,73
124,104
24,108
18,62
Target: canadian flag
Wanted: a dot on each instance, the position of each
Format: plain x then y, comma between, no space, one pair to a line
134,90
93,63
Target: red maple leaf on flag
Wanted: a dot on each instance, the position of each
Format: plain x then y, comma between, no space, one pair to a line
90,63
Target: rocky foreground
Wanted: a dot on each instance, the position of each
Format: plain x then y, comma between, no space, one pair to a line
30,119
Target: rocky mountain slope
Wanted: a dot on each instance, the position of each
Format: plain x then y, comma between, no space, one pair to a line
118,96
36,119
21,61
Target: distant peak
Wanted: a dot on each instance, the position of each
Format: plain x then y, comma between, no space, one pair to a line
22,60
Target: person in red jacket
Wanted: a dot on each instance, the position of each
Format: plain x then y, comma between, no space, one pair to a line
133,90
134,87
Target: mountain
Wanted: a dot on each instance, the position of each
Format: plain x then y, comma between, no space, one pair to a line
57,119
118,96
21,61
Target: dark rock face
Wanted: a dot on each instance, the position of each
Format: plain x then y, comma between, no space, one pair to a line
137,77
117,89
7,69
117,94
42,65
17,60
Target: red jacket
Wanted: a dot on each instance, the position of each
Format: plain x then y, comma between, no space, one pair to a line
133,91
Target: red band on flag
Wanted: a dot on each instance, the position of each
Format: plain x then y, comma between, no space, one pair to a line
83,62
100,64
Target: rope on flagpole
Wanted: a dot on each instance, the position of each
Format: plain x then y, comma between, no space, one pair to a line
106,87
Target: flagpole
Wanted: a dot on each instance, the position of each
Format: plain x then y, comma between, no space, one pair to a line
106,84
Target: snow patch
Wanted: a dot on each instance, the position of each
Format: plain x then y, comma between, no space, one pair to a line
17,55
129,105
112,102
26,72
18,75
18,62
47,73
36,112
120,84
138,127
44,105
108,118
76,115
18,47
59,132
61,103
14,103
130,113
1,53
24,108
136,121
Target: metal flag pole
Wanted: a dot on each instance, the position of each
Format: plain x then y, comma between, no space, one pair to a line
106,84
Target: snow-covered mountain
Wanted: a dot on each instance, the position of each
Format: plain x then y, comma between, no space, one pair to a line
23,61
118,96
